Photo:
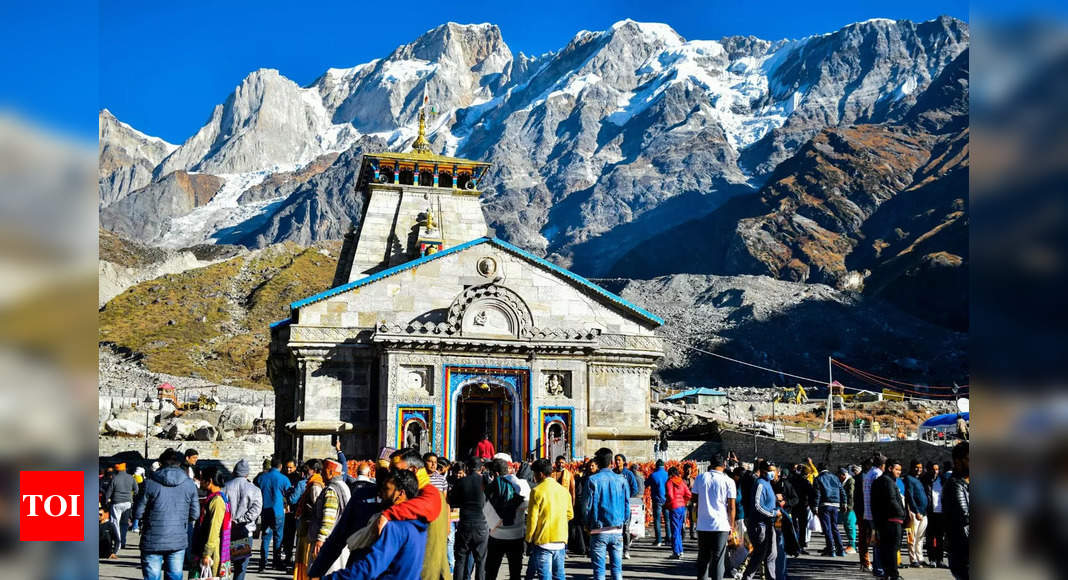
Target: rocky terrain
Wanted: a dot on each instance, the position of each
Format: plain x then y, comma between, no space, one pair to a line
790,326
211,322
775,201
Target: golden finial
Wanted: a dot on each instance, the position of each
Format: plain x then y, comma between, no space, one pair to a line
429,219
421,145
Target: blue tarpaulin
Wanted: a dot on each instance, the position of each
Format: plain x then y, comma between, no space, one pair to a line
943,420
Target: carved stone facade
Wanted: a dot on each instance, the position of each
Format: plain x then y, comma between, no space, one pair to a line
476,338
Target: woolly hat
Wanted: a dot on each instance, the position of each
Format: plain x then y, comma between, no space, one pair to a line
241,469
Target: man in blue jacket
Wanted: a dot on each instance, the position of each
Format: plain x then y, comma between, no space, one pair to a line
760,523
605,506
916,502
657,485
273,485
829,498
165,509
398,552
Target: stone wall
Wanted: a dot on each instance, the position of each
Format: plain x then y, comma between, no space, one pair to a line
835,454
252,448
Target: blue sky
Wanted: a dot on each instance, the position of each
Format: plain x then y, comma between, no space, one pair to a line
162,66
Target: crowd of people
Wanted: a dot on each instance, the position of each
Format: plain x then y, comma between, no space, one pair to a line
420,516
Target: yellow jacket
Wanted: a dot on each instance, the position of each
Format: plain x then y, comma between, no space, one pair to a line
548,513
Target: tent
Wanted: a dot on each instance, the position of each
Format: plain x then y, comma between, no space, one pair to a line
946,424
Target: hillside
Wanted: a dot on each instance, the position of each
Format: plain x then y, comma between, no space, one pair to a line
212,322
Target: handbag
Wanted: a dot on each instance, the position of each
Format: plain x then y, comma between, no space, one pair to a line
240,543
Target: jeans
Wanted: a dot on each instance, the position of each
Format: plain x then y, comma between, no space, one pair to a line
678,526
660,511
471,540
848,520
118,519
780,555
547,564
610,545
450,545
152,565
711,552
272,534
497,550
762,536
240,568
829,521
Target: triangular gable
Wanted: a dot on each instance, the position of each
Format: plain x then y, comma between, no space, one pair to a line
602,295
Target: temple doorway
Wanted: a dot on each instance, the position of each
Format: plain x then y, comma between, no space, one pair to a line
484,409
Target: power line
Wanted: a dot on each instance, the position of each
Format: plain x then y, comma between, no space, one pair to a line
742,362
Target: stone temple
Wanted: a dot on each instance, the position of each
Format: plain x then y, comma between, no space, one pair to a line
434,334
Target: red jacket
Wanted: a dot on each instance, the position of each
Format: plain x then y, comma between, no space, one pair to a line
484,449
426,506
678,494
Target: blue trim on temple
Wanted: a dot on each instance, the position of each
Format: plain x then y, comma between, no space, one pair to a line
383,274
576,278
496,242
282,322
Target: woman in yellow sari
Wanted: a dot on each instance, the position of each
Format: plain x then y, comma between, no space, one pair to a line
305,514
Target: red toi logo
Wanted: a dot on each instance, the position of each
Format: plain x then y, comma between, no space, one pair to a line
51,506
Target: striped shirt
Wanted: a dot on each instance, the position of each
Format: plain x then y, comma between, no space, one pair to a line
439,481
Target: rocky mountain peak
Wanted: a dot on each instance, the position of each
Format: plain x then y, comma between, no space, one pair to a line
469,45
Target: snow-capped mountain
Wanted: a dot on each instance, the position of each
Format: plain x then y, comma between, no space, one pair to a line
618,136
127,158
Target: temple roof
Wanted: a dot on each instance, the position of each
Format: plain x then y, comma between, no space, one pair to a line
595,291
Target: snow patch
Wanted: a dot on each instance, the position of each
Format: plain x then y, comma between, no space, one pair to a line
223,211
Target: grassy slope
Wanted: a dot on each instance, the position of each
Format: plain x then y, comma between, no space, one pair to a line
213,322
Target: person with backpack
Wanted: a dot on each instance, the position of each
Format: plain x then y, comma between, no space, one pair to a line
505,511
246,503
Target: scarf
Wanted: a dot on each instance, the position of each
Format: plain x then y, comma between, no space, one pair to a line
224,533
305,498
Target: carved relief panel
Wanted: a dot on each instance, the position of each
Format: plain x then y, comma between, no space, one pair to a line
415,381
556,384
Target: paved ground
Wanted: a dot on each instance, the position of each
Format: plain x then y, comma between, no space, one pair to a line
647,563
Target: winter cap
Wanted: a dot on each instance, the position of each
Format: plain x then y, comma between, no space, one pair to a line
503,456
241,468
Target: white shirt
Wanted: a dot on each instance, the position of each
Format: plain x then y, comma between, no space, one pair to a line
713,489
869,477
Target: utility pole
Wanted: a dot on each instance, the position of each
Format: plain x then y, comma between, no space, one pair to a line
830,397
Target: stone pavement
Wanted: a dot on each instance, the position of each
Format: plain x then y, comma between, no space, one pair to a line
647,562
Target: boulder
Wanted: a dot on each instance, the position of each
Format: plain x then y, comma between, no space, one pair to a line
183,429
239,418
259,439
205,432
124,427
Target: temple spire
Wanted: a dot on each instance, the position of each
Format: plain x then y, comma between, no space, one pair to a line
421,145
